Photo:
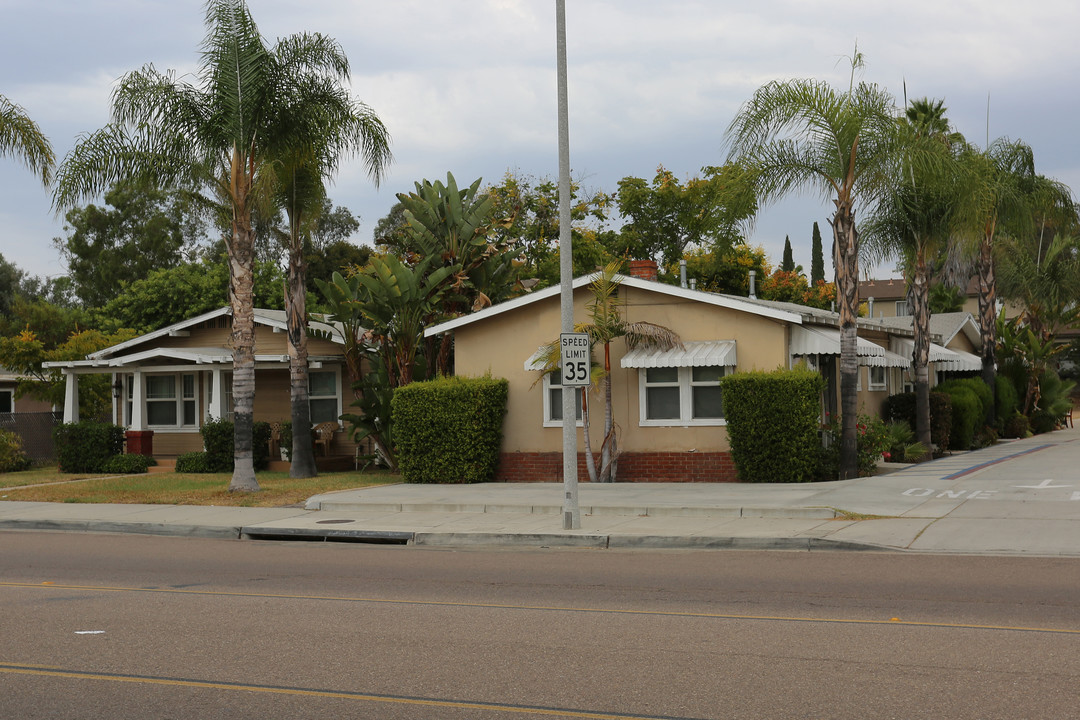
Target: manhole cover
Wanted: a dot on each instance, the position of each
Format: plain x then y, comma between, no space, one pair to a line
332,522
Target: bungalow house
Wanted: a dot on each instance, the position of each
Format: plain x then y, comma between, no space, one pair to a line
166,383
666,403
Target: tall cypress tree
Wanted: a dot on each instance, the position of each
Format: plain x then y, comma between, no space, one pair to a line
817,259
789,261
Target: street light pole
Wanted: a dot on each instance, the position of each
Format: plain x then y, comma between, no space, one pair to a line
571,512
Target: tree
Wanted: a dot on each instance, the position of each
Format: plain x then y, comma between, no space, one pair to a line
798,133
817,258
606,325
222,135
334,127
140,230
22,139
914,223
727,272
665,217
788,264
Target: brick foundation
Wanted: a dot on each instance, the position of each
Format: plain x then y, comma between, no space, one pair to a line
633,467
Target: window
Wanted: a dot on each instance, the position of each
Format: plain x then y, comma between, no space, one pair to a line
878,378
681,395
170,400
323,396
7,401
553,400
902,309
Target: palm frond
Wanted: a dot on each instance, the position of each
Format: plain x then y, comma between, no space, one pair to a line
22,139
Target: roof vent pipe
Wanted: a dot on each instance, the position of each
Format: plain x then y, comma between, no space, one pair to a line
693,283
870,307
753,282
682,272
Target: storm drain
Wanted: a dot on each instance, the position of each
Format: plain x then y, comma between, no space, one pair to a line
342,535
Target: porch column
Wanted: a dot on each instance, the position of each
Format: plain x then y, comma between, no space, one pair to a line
217,394
138,402
117,402
71,396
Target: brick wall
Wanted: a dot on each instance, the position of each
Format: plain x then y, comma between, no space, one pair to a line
633,467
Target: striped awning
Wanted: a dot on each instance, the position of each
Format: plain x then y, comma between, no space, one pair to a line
889,359
944,359
806,340
692,354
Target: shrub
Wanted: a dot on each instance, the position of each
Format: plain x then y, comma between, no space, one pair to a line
12,457
260,445
772,424
967,415
1007,401
129,464
220,444
902,407
872,442
193,462
1054,401
901,443
449,430
86,446
1016,426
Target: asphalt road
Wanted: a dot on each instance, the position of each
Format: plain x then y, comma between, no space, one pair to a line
100,626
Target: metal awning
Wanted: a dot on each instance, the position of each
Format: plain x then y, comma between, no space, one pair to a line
944,359
889,360
806,340
692,354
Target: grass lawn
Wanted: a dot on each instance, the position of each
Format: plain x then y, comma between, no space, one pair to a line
278,489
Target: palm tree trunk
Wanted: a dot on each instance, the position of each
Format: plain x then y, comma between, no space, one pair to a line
590,461
988,322
241,253
846,257
920,356
607,447
303,451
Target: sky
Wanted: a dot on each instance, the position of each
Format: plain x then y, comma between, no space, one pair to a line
469,86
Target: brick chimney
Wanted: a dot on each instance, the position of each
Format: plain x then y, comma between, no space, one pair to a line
643,269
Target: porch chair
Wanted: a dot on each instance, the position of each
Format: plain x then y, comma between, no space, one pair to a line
324,435
275,440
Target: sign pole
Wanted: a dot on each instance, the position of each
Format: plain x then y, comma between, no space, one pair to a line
571,512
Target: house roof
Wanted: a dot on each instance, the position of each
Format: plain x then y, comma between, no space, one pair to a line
943,358
943,325
271,318
726,301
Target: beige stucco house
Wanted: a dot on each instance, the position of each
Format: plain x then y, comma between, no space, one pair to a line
667,405
166,383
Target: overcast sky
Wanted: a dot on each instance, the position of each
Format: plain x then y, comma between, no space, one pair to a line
468,86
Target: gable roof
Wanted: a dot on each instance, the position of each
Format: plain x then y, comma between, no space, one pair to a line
943,325
726,301
270,318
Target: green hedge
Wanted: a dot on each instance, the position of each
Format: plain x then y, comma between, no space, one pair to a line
219,443
129,464
901,407
968,413
1008,402
449,430
87,446
193,462
773,420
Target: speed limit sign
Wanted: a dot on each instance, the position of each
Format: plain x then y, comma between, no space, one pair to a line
575,359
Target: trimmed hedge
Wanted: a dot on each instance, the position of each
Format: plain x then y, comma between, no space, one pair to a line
969,402
772,424
449,430
129,464
12,457
1008,402
220,445
87,446
193,462
902,407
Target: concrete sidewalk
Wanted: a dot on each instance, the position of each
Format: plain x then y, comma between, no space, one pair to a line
1015,498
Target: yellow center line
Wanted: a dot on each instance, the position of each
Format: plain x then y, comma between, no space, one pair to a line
544,608
36,670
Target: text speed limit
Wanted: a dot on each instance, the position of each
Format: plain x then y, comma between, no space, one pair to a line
575,361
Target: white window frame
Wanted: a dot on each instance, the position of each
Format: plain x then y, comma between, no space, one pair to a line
548,387
902,308
883,385
178,398
336,371
686,399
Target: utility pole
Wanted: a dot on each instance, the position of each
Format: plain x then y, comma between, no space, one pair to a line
571,512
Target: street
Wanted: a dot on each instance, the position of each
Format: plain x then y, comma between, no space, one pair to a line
137,627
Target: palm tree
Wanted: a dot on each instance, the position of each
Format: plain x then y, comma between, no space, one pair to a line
842,143
605,325
221,135
341,126
914,223
21,138
998,176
